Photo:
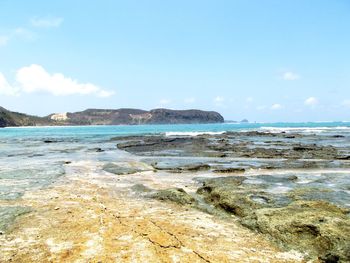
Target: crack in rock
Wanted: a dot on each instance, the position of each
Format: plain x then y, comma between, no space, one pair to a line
146,235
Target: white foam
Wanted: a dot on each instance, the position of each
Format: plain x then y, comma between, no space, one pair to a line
191,133
303,129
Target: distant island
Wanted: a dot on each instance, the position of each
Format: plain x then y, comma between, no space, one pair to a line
111,117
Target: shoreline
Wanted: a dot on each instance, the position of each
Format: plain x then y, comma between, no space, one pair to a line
148,196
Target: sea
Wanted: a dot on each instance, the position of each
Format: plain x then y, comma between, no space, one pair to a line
88,132
34,157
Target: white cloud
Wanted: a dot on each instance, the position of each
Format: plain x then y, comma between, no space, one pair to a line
289,75
189,100
164,102
6,88
276,106
4,40
46,22
35,78
312,101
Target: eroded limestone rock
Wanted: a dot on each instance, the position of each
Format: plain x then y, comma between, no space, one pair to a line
291,219
176,195
320,228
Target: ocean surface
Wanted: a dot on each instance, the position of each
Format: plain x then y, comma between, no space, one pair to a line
28,163
105,131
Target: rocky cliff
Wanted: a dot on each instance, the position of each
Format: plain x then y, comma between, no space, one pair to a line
111,117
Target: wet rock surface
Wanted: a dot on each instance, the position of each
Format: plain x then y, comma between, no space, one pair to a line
229,170
233,197
178,167
305,211
294,150
290,218
318,227
177,195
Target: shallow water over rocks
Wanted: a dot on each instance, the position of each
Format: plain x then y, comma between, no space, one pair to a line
175,197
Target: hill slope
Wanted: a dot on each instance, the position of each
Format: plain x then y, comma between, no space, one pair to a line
111,117
10,118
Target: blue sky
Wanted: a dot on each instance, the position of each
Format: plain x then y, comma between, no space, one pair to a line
265,60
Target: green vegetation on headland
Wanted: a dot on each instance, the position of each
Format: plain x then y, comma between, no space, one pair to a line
10,119
111,117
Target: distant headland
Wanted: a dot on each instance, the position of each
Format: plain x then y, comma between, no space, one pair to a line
111,117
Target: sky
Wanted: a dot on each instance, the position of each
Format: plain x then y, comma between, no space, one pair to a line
265,60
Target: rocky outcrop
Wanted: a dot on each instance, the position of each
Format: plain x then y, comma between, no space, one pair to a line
176,195
234,144
318,227
293,221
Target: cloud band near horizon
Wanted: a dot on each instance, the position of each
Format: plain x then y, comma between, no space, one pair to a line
35,79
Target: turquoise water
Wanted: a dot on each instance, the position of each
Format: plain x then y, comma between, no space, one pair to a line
28,163
105,131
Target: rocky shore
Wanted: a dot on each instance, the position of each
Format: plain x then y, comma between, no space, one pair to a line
238,145
295,210
229,197
91,216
